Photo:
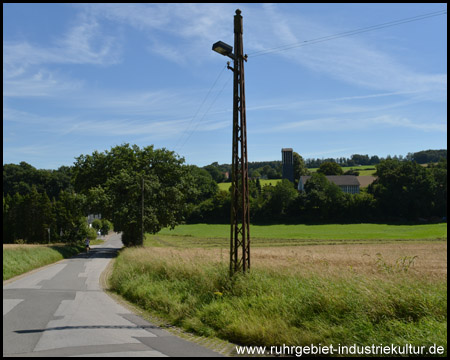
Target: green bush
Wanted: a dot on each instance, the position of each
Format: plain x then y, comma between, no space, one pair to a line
92,234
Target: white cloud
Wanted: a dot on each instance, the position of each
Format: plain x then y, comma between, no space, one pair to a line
84,43
40,83
344,124
351,59
403,122
171,27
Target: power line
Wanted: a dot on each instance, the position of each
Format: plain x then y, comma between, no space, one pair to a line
347,33
295,45
207,111
196,113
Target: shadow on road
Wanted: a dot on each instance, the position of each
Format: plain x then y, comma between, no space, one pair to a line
31,331
101,253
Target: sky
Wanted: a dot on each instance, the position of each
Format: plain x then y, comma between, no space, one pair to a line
79,78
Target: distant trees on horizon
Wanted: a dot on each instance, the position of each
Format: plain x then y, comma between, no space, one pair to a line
273,169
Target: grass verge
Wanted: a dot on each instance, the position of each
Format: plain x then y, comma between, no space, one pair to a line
23,258
288,300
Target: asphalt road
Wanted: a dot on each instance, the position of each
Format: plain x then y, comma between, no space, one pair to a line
61,310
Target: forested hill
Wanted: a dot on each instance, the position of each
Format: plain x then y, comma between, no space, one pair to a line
429,156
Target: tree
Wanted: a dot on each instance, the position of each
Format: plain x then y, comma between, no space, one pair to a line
166,187
215,172
70,210
361,159
282,196
106,227
97,224
203,185
374,160
428,156
21,178
273,202
324,200
255,174
330,168
299,168
403,189
439,174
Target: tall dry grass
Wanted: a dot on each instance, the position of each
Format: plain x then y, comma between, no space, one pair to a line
430,259
355,294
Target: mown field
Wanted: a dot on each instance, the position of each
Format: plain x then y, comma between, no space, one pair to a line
207,235
313,289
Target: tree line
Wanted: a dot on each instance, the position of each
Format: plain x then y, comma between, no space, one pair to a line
34,218
145,189
273,169
404,191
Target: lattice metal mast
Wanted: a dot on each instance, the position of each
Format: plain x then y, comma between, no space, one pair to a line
240,210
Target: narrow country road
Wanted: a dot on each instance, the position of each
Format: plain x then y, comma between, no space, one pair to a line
61,310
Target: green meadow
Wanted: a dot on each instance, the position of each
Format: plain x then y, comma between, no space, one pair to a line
277,235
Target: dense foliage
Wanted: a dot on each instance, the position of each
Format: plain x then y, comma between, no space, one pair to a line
137,189
403,192
51,205
33,218
21,179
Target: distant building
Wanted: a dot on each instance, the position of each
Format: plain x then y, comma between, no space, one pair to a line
92,217
348,183
287,159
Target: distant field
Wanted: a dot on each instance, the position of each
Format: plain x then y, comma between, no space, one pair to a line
286,235
363,170
273,182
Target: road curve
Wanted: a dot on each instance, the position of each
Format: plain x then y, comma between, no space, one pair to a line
61,310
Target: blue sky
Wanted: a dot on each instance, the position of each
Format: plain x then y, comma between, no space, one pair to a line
84,77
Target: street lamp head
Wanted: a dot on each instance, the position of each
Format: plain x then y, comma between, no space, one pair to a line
224,49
